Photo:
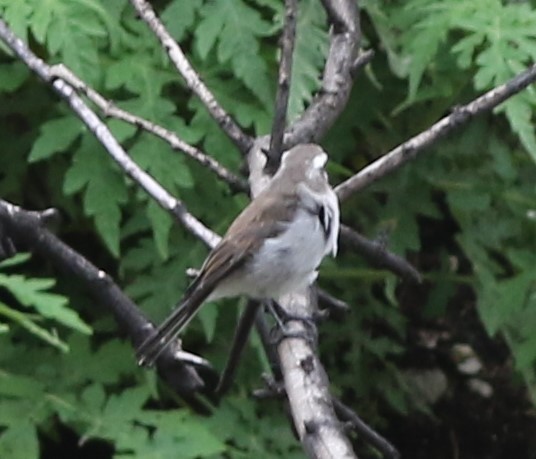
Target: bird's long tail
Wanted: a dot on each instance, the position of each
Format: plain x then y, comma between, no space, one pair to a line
163,336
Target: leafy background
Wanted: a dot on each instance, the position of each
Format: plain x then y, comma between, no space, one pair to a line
464,214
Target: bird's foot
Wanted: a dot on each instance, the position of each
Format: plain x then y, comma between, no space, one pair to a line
284,331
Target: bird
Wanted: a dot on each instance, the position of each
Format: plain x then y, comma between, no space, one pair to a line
273,247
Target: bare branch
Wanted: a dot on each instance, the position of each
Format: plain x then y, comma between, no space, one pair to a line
283,87
26,227
409,149
110,109
331,302
307,386
193,81
106,138
337,79
274,389
377,255
361,61
363,429
242,331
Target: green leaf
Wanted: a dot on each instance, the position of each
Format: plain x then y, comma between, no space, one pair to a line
27,322
161,223
237,29
12,76
16,15
104,189
191,437
55,136
18,259
20,441
42,18
502,302
519,112
178,17
310,50
469,200
165,165
208,316
70,27
12,385
34,293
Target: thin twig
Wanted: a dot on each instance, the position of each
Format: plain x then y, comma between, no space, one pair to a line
337,77
361,61
283,87
378,255
106,138
409,149
332,302
193,81
110,109
363,429
240,338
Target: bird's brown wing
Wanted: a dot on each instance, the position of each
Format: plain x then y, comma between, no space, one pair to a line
256,223
262,219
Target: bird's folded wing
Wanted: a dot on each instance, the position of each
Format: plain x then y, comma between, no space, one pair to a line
243,239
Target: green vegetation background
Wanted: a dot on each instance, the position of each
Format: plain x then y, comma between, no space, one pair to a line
465,213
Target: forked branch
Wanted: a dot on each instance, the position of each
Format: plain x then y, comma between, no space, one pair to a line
110,109
106,138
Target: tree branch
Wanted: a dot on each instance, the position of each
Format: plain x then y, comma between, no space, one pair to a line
110,109
307,386
106,138
283,87
337,78
363,429
361,61
409,149
193,81
177,368
275,388
377,255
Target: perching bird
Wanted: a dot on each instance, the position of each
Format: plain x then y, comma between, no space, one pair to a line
272,248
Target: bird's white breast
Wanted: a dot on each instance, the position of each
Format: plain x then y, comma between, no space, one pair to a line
283,263
289,261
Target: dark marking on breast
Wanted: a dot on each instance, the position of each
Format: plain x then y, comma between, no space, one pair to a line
325,220
283,252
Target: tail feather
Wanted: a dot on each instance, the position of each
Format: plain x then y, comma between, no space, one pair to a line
163,336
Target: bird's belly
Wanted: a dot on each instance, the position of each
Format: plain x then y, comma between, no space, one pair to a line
283,264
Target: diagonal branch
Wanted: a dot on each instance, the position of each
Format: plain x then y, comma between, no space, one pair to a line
377,255
307,385
106,138
337,78
27,228
193,81
110,109
283,87
409,149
